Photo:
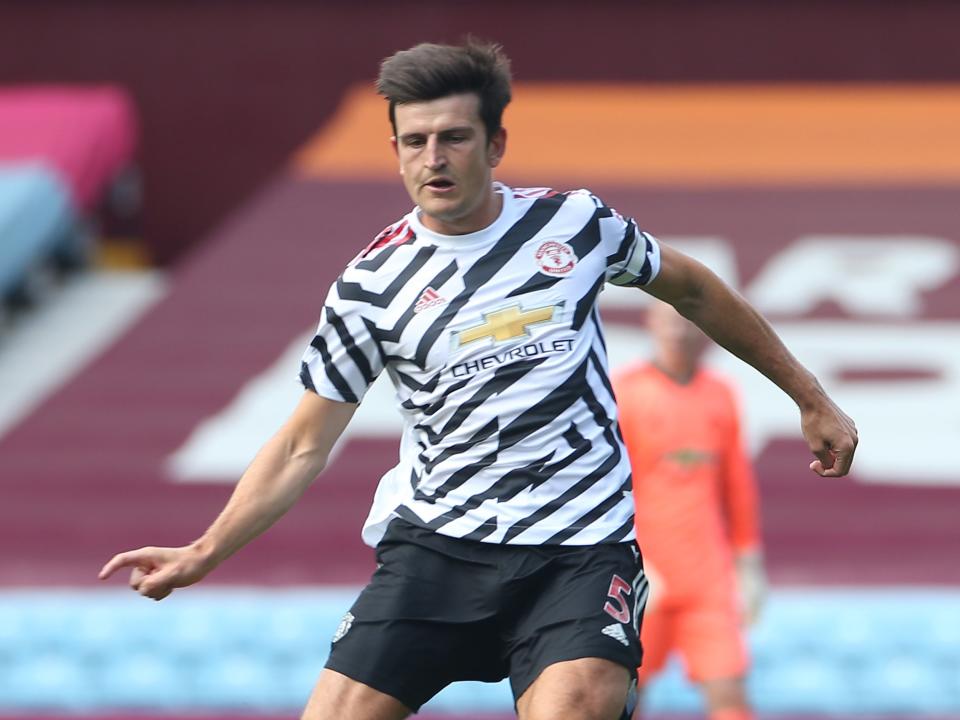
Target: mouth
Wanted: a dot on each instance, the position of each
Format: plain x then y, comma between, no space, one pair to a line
440,185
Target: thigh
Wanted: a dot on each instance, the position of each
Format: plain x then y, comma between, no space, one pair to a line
724,694
413,660
656,637
709,637
418,626
584,689
337,696
585,603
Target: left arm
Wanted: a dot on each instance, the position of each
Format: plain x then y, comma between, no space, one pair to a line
699,295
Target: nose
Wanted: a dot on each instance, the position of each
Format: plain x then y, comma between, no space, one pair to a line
434,158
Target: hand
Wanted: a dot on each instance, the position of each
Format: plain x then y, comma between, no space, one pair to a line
751,584
832,437
157,572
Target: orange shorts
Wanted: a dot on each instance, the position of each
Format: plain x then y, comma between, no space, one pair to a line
705,630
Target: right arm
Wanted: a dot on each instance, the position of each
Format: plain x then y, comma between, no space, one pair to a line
282,470
735,325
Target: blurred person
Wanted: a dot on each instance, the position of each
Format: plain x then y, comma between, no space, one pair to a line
697,513
504,535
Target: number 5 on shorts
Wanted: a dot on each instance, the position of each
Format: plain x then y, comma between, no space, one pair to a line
619,591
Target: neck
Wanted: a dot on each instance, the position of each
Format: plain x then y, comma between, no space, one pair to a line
679,369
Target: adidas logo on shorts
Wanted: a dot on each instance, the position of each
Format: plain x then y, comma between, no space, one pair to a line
616,632
428,298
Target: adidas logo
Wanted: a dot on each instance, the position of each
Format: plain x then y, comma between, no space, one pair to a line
428,298
616,632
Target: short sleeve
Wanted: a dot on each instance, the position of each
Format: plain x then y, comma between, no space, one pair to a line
633,256
344,357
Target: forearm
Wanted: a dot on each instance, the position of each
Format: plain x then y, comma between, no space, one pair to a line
734,325
274,481
277,477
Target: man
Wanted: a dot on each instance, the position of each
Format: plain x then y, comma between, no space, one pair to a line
505,533
696,512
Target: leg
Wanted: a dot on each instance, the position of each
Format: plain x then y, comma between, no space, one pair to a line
584,689
403,640
726,699
656,636
574,644
337,696
638,710
711,642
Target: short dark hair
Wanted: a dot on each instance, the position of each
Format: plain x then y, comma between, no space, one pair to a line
429,71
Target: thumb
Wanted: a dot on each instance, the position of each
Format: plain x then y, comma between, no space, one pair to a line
825,460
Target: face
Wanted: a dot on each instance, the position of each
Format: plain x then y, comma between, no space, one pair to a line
447,163
676,339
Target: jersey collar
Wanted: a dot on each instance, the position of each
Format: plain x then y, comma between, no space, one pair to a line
491,232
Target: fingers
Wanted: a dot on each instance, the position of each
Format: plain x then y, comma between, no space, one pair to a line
845,453
150,584
156,586
835,462
136,577
154,574
122,560
839,467
832,438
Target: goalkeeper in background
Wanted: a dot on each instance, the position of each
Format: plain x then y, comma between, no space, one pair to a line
697,514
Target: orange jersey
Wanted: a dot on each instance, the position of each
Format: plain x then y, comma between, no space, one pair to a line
694,489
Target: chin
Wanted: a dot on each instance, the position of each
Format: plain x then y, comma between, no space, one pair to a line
444,210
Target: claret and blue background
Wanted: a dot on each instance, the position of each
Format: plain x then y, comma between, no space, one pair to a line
180,182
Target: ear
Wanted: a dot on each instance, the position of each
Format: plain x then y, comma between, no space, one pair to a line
396,149
497,147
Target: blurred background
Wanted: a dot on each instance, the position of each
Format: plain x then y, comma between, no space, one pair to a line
181,181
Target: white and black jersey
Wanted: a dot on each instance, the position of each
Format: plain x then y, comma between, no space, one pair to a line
493,343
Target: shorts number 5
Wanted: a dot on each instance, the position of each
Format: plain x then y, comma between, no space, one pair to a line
619,591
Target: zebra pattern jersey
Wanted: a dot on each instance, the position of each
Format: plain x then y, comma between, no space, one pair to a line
493,343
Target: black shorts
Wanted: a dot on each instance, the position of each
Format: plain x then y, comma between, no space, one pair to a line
441,609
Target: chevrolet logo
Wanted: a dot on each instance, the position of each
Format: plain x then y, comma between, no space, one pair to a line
506,324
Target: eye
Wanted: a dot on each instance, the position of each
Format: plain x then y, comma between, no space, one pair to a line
414,141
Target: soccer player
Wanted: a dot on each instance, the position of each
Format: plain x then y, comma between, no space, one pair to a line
697,513
504,535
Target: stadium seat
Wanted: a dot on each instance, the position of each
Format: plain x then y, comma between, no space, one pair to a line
905,683
36,223
48,681
815,652
63,150
86,135
672,692
143,679
238,680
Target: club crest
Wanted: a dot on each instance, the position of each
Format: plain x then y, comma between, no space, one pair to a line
555,258
344,627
